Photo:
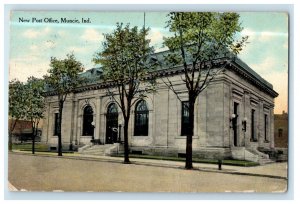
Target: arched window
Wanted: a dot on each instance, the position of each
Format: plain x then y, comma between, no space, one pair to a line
141,118
88,128
112,124
112,109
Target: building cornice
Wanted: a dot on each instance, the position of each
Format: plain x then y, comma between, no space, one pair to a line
236,66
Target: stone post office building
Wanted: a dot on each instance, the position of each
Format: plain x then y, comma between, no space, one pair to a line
233,117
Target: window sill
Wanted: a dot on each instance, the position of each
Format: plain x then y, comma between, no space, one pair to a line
251,140
266,141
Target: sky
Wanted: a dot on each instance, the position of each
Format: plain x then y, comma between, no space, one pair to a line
33,43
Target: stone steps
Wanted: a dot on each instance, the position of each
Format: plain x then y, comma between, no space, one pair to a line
254,155
264,161
264,158
96,150
282,157
93,151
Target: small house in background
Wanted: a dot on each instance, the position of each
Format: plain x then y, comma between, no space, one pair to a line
281,135
23,131
281,130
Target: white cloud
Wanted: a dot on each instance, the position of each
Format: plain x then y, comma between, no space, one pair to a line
270,35
62,33
262,36
49,44
22,68
33,47
30,33
268,69
77,49
93,35
156,37
265,36
279,80
33,33
266,66
252,42
248,32
286,45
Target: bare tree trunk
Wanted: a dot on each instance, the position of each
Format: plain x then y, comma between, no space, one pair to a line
189,137
61,104
33,138
126,147
10,142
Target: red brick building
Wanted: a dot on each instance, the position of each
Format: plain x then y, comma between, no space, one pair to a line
22,130
281,130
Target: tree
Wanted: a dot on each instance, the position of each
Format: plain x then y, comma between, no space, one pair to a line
198,41
125,60
63,78
34,105
17,110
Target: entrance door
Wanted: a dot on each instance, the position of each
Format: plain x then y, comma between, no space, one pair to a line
235,129
112,124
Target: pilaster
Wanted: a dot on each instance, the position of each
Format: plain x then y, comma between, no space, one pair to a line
260,123
97,121
74,134
247,114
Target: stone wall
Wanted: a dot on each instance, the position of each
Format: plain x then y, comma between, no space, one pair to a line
213,132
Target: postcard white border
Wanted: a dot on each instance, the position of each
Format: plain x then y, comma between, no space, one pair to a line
153,196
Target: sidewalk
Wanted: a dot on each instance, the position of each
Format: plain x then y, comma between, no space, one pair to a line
273,170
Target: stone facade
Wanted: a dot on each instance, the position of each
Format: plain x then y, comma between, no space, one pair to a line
223,116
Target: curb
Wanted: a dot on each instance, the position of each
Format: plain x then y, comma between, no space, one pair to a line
151,163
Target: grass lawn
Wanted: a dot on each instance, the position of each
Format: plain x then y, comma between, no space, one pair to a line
27,147
44,148
196,160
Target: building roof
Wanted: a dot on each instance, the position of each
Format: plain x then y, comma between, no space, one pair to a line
93,76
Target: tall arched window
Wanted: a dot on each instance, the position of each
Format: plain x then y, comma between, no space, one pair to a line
141,119
88,128
112,109
112,124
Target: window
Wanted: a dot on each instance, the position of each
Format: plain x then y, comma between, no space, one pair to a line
88,128
111,124
141,119
184,118
112,109
266,127
253,131
56,123
235,124
280,132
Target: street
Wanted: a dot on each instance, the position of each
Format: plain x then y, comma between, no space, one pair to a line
44,173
